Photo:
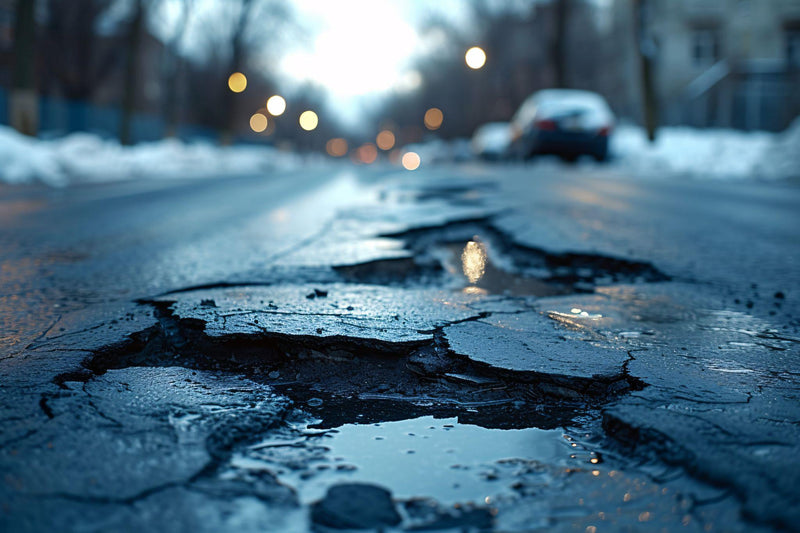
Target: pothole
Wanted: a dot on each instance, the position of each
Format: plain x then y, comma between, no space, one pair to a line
474,255
418,373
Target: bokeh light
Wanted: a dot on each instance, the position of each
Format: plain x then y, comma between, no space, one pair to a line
475,57
237,82
308,120
336,147
367,153
276,105
258,122
410,161
433,118
385,140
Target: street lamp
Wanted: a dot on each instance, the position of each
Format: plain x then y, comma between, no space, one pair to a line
433,118
237,82
276,105
308,120
258,122
475,57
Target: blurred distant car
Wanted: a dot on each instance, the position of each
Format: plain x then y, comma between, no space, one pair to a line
564,122
491,141
430,151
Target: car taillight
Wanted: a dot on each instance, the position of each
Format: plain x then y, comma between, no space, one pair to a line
605,131
546,125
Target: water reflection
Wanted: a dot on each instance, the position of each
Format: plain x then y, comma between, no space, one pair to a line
484,277
473,261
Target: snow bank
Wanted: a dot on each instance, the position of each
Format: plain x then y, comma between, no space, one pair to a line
83,158
782,158
709,153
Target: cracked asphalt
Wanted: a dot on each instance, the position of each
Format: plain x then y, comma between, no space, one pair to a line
510,348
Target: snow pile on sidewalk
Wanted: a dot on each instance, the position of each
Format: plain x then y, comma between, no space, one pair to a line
782,158
709,153
84,158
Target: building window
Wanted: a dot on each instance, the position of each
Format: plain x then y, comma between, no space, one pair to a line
705,47
793,47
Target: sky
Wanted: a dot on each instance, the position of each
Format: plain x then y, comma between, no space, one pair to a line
356,50
359,49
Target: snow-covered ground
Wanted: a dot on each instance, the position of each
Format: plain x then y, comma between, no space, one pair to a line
83,158
709,153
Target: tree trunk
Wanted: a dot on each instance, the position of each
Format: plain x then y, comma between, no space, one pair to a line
238,53
24,100
173,74
646,51
131,71
559,47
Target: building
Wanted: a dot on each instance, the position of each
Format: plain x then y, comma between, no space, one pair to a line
726,63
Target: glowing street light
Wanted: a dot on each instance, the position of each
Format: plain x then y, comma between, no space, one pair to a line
410,161
367,153
433,118
308,120
385,140
276,105
336,147
258,122
475,57
237,82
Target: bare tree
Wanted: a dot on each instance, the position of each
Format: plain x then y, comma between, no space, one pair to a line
174,66
559,46
647,49
132,61
76,60
239,34
24,100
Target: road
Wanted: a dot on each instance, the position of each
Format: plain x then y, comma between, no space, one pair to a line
175,353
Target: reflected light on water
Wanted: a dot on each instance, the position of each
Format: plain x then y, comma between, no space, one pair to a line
580,313
308,120
276,105
336,147
433,118
473,261
410,161
237,82
258,122
385,140
474,290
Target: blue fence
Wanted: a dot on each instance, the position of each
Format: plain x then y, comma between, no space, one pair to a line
58,117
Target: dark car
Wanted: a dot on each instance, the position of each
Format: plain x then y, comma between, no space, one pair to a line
564,122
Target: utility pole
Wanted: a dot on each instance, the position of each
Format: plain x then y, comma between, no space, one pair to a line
24,100
646,50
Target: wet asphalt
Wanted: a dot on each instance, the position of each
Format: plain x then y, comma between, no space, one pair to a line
170,351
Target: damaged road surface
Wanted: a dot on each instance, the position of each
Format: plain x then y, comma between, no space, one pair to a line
450,349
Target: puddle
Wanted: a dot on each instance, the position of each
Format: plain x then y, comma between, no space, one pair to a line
472,263
426,456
